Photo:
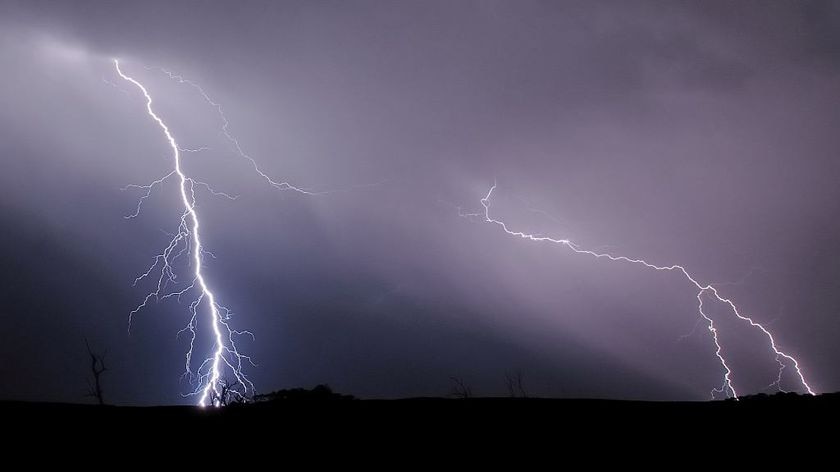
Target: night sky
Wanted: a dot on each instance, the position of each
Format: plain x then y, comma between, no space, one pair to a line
699,133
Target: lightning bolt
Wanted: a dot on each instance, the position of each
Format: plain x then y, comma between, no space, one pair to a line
211,386
703,290
187,240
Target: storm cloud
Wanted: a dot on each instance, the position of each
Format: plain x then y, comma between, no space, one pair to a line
698,133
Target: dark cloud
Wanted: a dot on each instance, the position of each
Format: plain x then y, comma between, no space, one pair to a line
702,133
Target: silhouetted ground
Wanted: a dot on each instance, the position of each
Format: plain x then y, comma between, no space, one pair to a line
333,419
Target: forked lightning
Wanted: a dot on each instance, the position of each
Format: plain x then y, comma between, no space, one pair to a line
783,359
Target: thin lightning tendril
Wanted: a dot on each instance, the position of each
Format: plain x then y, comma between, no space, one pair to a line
237,147
151,185
187,240
783,359
232,139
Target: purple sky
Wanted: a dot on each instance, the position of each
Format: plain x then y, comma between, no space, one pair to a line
699,133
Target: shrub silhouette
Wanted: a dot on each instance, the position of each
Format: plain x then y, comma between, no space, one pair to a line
318,393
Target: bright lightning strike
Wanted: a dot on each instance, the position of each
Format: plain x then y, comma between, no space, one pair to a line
212,387
783,359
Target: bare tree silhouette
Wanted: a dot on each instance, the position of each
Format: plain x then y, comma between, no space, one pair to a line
97,368
460,389
227,394
515,386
